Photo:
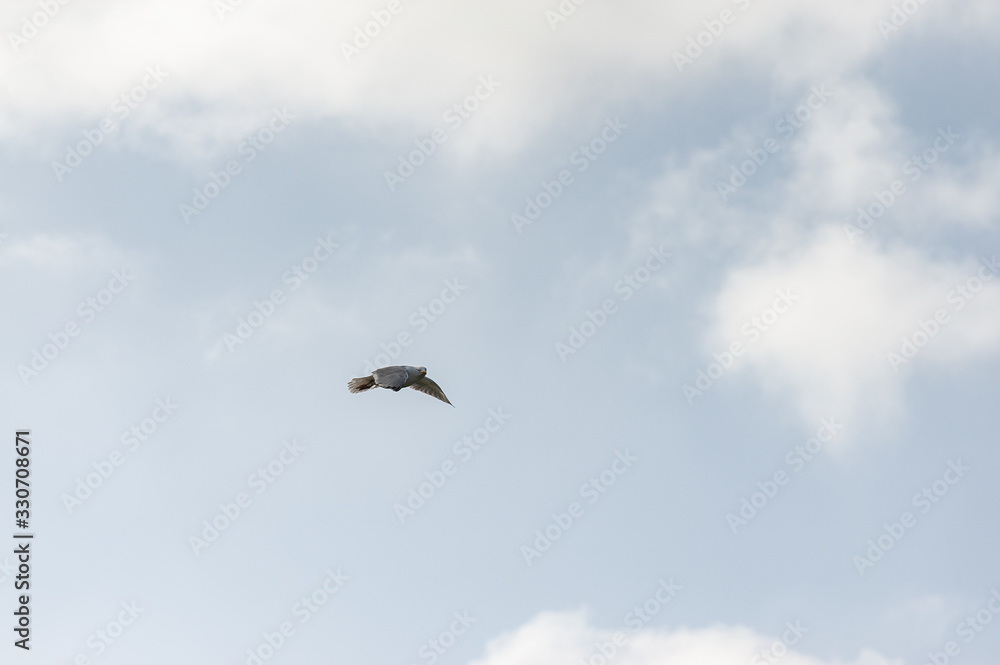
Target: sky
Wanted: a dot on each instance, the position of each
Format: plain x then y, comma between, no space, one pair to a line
713,287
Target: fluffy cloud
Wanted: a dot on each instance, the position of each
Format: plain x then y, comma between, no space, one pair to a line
226,69
860,292
855,305
565,638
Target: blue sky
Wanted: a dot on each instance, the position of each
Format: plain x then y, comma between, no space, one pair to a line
720,326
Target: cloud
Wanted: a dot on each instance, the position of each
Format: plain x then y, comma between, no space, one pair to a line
831,351
785,227
565,638
233,68
839,156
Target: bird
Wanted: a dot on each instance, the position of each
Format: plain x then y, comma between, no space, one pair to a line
397,377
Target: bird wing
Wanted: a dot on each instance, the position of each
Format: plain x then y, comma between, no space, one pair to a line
393,377
428,387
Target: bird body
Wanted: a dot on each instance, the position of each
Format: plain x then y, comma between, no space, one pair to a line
397,377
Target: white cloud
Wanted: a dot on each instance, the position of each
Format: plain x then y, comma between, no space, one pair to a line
830,352
787,226
225,75
565,638
847,150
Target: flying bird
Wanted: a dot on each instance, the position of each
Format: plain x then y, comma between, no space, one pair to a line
397,377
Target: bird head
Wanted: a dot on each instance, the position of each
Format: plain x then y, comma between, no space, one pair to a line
422,370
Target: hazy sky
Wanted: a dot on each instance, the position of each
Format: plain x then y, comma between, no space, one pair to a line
713,288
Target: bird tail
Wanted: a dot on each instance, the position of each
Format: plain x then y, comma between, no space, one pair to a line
361,385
